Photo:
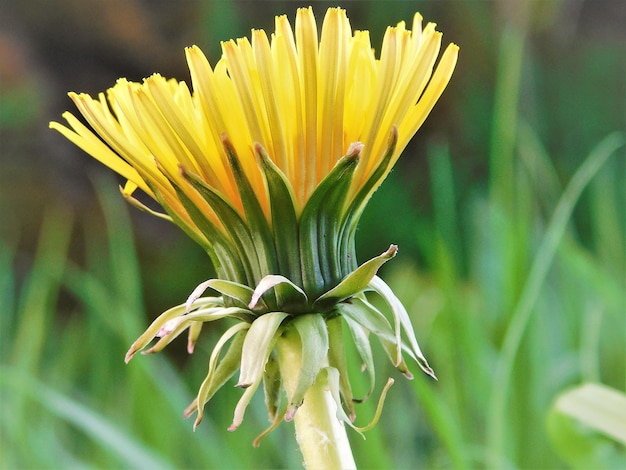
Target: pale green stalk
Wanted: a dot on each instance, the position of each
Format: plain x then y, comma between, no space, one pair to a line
321,436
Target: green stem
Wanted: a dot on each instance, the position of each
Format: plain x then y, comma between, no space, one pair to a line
321,436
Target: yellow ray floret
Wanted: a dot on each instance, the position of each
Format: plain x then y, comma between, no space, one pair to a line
304,98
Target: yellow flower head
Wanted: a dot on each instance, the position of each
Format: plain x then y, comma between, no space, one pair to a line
304,100
267,162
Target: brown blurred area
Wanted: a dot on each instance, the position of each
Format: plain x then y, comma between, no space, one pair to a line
50,48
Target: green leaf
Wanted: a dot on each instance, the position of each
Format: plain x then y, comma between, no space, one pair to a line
597,406
216,246
284,217
379,408
590,407
357,204
356,281
258,346
368,316
314,339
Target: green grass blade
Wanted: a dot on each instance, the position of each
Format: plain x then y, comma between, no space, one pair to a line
41,289
496,435
504,124
128,450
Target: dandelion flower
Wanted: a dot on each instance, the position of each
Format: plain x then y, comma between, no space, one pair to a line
267,161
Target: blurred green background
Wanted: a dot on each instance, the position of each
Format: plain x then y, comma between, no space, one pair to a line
509,208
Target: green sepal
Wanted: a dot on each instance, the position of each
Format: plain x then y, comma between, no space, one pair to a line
329,222
190,231
255,217
242,404
166,316
272,386
358,202
204,314
364,349
379,409
284,217
314,340
331,376
258,346
205,242
222,248
239,293
288,294
313,278
172,329
142,207
401,317
194,333
337,359
356,281
219,373
277,420
354,208
232,222
370,318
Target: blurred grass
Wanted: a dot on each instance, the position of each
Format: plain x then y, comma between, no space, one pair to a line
67,395
59,372
518,295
